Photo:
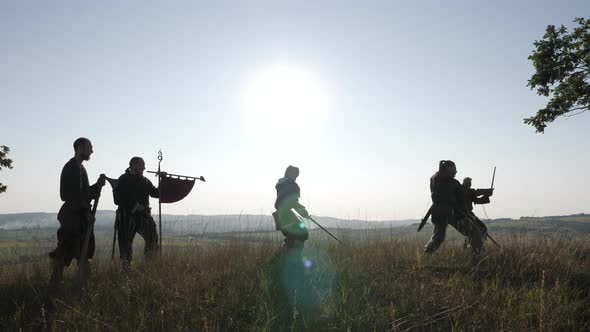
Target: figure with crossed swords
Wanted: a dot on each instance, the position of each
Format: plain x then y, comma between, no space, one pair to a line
448,208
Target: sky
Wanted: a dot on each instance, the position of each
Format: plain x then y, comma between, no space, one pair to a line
365,97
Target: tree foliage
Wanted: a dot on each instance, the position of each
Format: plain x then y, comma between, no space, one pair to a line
562,64
4,163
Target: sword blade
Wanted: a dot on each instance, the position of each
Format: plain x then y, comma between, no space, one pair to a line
425,219
492,239
493,177
325,230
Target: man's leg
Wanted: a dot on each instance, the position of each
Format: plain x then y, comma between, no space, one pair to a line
479,232
468,227
57,271
65,233
438,234
288,242
149,232
84,263
84,267
126,233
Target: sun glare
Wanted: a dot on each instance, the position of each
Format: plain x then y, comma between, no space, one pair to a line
283,97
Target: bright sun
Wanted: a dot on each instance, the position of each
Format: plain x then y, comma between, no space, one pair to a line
283,97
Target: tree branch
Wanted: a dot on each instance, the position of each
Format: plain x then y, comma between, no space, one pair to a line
581,108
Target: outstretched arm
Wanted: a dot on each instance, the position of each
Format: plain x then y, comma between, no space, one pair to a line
481,200
301,210
292,202
484,192
482,196
94,190
153,191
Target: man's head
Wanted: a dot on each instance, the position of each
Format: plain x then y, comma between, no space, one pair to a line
292,172
448,168
136,166
467,182
83,148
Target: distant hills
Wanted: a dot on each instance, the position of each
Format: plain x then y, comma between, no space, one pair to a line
192,223
197,224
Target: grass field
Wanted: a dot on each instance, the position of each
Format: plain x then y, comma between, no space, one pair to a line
532,283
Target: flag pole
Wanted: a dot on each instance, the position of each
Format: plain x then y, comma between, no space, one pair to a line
159,200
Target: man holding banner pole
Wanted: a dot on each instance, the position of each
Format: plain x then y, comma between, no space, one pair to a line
132,192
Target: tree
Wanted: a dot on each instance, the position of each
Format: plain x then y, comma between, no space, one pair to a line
4,162
562,63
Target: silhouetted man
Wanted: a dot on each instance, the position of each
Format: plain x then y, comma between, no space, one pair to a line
288,194
75,215
475,196
133,193
448,208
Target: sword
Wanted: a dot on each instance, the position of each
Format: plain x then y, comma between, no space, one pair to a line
485,233
425,219
490,237
84,252
325,230
493,177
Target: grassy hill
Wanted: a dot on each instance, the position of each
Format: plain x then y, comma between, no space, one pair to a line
376,284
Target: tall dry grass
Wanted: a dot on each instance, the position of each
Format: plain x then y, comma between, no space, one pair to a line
534,284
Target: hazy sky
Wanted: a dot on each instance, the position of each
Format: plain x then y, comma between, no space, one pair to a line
365,97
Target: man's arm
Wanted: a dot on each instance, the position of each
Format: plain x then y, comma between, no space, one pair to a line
482,196
124,192
481,200
153,191
292,202
301,210
95,189
459,192
484,192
